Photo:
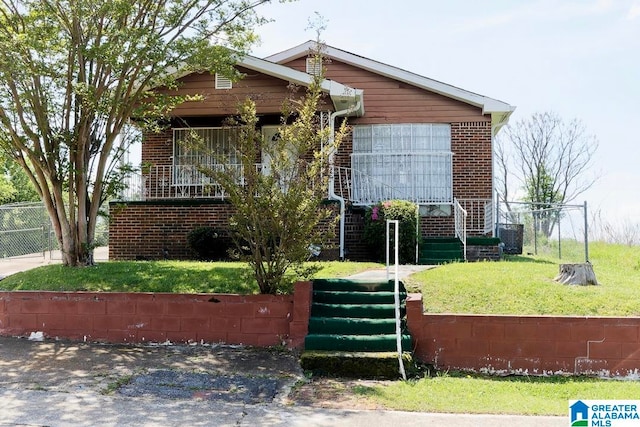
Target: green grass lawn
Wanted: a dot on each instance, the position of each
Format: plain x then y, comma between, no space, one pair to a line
157,276
461,393
524,285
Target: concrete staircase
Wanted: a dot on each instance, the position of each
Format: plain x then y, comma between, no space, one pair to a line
352,329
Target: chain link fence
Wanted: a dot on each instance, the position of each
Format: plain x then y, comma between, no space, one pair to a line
25,231
557,231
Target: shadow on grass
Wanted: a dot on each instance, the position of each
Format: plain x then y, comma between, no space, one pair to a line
526,259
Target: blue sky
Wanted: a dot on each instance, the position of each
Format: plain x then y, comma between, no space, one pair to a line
579,58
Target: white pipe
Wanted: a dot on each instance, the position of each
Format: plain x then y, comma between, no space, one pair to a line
332,189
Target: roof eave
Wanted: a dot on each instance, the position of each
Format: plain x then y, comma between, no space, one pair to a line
342,96
499,111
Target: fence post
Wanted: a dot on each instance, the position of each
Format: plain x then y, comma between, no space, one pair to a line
586,234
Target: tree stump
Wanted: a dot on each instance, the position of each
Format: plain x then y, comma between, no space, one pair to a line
576,274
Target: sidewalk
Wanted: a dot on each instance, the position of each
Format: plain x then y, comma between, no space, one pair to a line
9,266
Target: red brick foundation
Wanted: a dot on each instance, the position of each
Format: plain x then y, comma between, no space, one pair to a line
534,345
260,320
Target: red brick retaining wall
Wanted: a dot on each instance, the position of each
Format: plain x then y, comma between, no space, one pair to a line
260,320
534,345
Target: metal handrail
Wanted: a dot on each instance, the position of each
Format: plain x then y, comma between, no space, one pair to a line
460,219
396,291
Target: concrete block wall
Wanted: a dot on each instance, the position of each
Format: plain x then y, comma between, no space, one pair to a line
533,345
259,320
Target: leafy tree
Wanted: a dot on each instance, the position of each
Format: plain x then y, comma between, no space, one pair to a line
280,218
550,158
73,72
14,183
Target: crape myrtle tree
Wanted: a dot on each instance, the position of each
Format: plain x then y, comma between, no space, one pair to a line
549,159
15,186
73,73
280,219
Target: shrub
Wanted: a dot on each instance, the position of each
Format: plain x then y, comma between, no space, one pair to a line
375,230
207,243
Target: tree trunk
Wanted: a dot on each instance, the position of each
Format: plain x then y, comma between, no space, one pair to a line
576,274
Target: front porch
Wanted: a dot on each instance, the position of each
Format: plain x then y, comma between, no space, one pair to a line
160,206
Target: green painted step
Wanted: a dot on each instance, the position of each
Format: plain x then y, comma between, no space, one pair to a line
440,250
438,261
380,342
379,365
374,311
349,326
354,285
440,247
349,297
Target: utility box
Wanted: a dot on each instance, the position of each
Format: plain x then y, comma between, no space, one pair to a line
511,236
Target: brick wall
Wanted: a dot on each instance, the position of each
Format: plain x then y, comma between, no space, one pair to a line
157,148
260,320
155,230
159,229
483,253
471,145
533,345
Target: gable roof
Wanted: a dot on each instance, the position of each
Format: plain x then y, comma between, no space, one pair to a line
342,96
499,111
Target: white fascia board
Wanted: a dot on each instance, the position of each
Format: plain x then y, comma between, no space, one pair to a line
340,94
488,105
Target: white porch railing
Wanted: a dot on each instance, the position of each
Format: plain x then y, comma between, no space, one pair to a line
479,215
178,182
460,220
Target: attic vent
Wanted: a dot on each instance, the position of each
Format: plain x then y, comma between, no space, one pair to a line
223,82
314,66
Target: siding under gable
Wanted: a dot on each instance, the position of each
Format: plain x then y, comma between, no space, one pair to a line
268,93
390,101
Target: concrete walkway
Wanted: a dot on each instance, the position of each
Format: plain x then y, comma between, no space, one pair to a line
14,265
381,273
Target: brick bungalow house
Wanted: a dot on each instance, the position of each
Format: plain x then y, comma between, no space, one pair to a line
413,138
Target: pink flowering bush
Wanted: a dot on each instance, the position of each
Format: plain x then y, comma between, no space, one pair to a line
375,229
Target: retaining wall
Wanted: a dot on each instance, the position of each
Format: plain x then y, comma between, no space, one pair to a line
534,345
260,320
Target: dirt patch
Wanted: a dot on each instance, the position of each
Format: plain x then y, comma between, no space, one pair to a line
334,393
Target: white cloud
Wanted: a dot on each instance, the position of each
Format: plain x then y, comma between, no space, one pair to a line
634,11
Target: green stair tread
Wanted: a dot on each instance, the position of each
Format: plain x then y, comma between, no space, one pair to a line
381,342
352,326
440,250
350,297
374,311
361,285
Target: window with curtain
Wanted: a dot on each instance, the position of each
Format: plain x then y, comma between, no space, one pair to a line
410,161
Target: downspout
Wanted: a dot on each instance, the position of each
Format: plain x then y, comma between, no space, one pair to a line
332,189
494,195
